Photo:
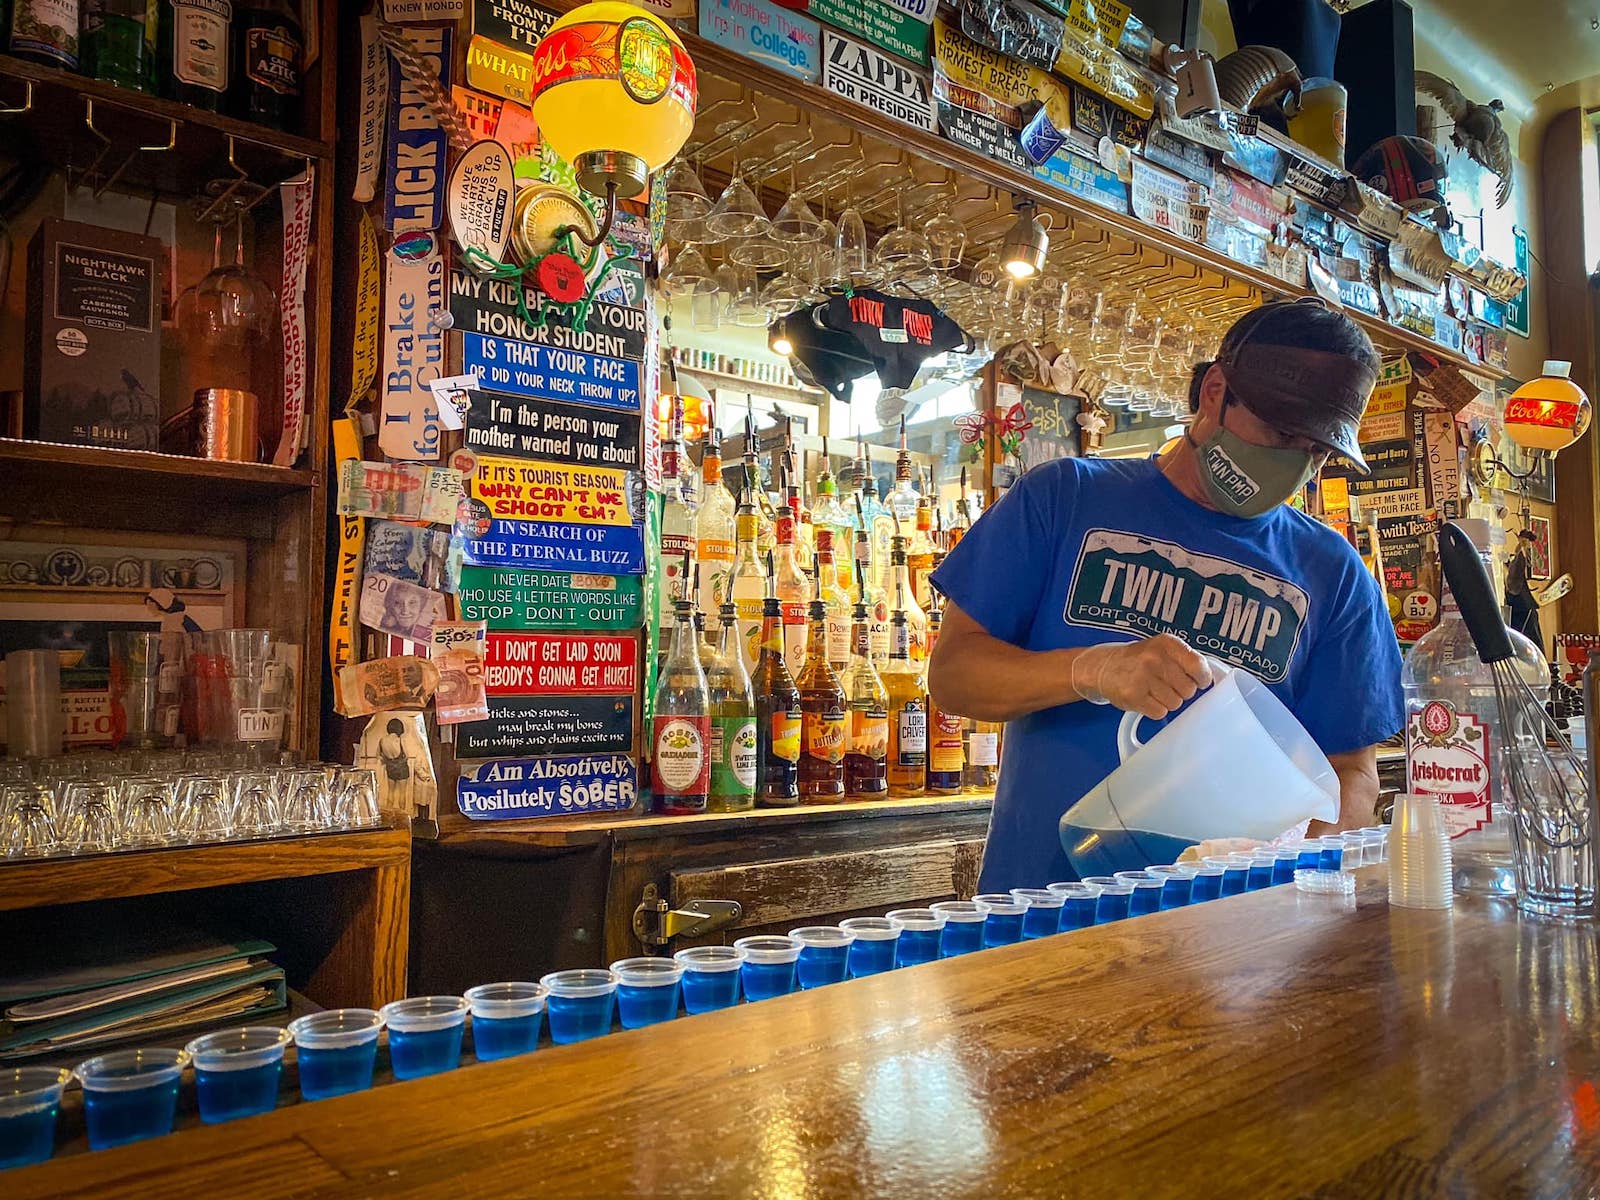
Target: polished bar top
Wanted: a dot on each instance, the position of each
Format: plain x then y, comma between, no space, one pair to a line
1265,1045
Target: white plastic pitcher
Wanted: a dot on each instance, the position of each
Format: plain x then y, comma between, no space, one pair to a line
1235,763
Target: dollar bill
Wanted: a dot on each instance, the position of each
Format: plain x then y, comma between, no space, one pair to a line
404,682
410,491
461,696
392,605
467,637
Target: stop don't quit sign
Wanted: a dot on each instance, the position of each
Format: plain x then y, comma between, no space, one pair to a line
524,369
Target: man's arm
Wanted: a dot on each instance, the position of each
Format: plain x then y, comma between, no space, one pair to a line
978,675
1358,791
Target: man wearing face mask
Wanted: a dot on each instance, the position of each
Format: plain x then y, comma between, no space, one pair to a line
1095,585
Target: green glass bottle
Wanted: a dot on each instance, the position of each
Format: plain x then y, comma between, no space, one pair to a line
119,42
197,49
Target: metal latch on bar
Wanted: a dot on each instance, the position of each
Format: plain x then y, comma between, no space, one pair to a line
655,922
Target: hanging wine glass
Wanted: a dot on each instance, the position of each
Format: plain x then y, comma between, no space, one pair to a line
687,273
903,254
854,265
824,265
687,203
795,223
784,291
745,308
737,212
947,240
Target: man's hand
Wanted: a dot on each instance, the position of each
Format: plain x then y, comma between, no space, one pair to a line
1152,677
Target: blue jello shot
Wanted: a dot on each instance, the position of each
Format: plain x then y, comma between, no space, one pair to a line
1114,899
824,955
1308,855
424,1034
710,977
963,926
1207,882
1259,877
30,1098
920,931
130,1095
1235,874
335,1051
1004,924
237,1071
1284,861
1043,917
873,950
579,1004
647,990
1332,857
1147,891
505,1019
1177,884
769,965
1077,903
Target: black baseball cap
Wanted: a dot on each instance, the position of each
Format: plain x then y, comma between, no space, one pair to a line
1276,364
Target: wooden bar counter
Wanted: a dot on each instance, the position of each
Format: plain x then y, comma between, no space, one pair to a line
1266,1045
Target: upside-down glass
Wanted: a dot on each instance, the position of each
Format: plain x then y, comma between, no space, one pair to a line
205,808
89,823
737,212
149,812
947,241
355,799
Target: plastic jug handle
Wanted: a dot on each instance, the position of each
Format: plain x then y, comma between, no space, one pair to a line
1127,729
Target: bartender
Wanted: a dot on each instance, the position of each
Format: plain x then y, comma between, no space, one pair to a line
1095,585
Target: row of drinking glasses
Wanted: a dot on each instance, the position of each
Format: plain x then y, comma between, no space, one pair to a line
57,817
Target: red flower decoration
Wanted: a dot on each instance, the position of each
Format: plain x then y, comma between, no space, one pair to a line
561,278
972,426
1014,420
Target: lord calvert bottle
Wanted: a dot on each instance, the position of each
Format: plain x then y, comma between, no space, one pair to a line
866,756
733,721
823,717
778,712
908,708
946,751
681,735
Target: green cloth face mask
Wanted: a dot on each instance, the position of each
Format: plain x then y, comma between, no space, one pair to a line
1248,480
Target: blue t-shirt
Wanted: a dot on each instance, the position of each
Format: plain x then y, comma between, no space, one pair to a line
1085,551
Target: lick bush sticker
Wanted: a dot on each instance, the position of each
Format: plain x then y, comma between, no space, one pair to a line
1134,584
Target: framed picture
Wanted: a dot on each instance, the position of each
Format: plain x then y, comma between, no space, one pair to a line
1539,548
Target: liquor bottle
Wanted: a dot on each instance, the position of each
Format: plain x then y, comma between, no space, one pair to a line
778,712
946,749
266,87
45,32
677,540
908,708
866,758
766,528
902,500
794,592
919,554
834,599
747,584
824,716
873,595
196,38
982,755
714,528
733,721
118,43
869,513
964,516
1455,739
900,580
681,739
828,513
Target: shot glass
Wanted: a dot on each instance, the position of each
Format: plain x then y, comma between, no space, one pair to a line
27,828
30,1098
505,1019
647,990
335,1051
1147,889
205,809
236,1071
963,926
824,955
920,930
873,950
1284,861
1333,856
89,823
1235,872
424,1034
1004,923
130,1095
1077,903
1114,900
149,809
1259,876
710,977
355,799
1177,884
579,1004
1044,912
306,805
769,965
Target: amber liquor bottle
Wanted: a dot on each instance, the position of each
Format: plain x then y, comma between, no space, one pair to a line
824,717
778,712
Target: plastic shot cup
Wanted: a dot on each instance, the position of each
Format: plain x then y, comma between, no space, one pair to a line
824,955
1376,841
1077,903
1147,890
505,1019
1333,853
647,990
1308,855
1006,912
1235,873
1207,882
769,965
335,1051
1114,899
1043,915
710,977
424,1034
579,1004
30,1098
1177,888
963,926
1259,877
920,932
873,951
130,1095
237,1071
1284,861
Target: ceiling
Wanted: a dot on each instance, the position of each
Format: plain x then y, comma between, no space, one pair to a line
1517,52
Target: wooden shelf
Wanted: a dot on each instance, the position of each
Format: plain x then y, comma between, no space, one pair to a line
40,469
456,830
55,119
38,883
